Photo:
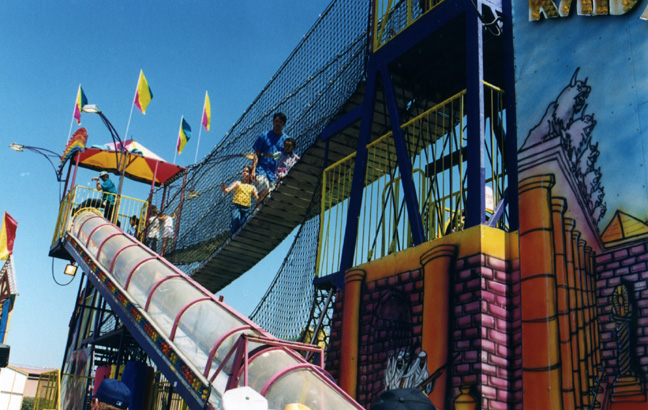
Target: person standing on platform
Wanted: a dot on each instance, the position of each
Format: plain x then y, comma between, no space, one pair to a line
153,229
109,191
132,226
267,148
166,223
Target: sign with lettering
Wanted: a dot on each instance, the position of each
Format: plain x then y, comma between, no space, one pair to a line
549,9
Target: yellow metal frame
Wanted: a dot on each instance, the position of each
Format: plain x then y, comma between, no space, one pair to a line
434,139
124,209
48,391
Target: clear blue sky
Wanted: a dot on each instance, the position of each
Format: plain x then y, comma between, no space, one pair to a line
230,49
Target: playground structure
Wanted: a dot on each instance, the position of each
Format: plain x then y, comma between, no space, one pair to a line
423,257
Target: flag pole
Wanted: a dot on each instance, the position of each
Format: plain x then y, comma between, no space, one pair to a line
200,123
132,105
175,151
197,144
70,131
129,119
202,117
72,120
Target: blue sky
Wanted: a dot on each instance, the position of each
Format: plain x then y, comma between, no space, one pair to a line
612,53
230,49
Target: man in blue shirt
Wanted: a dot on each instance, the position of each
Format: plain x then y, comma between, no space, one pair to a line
266,151
108,189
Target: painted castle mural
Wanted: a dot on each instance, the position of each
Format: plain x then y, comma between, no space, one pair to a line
552,315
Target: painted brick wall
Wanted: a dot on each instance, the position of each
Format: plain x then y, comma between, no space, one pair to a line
627,265
486,331
333,351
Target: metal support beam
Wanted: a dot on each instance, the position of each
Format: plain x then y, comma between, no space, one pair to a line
476,200
169,369
341,123
74,322
427,24
404,165
359,172
511,117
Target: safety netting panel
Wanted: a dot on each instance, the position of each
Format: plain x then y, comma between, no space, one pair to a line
311,87
285,309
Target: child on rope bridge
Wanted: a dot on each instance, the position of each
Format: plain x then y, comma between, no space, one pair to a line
243,193
286,159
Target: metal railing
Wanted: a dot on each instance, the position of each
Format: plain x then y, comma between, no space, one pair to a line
119,212
437,147
393,16
48,390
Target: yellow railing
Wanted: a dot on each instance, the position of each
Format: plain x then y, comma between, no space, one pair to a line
437,148
160,397
48,391
120,213
49,387
393,16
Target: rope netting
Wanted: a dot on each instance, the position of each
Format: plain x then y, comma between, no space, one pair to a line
285,309
310,87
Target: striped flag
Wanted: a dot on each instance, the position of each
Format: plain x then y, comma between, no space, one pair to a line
143,94
206,117
81,100
7,236
183,135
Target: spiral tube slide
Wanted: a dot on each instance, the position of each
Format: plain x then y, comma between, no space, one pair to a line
200,344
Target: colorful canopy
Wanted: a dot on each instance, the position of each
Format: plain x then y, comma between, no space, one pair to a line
142,164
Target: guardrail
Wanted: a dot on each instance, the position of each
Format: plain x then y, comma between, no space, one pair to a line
437,147
120,213
393,16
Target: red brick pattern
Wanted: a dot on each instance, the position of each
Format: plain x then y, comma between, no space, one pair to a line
627,265
486,331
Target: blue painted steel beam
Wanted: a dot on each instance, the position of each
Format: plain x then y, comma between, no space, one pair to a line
511,117
426,25
73,326
404,165
499,210
6,306
476,199
341,123
359,172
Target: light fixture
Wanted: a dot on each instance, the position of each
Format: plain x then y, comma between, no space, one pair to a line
91,108
47,153
70,269
16,147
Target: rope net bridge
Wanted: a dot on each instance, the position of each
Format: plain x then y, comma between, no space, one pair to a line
323,80
313,86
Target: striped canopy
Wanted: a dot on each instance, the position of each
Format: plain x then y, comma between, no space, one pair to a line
142,164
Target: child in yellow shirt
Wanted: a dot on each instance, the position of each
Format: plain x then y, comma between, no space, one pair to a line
243,193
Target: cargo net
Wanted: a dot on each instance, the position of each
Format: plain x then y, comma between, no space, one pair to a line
285,309
311,87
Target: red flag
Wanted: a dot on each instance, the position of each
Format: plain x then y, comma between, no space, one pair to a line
7,236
